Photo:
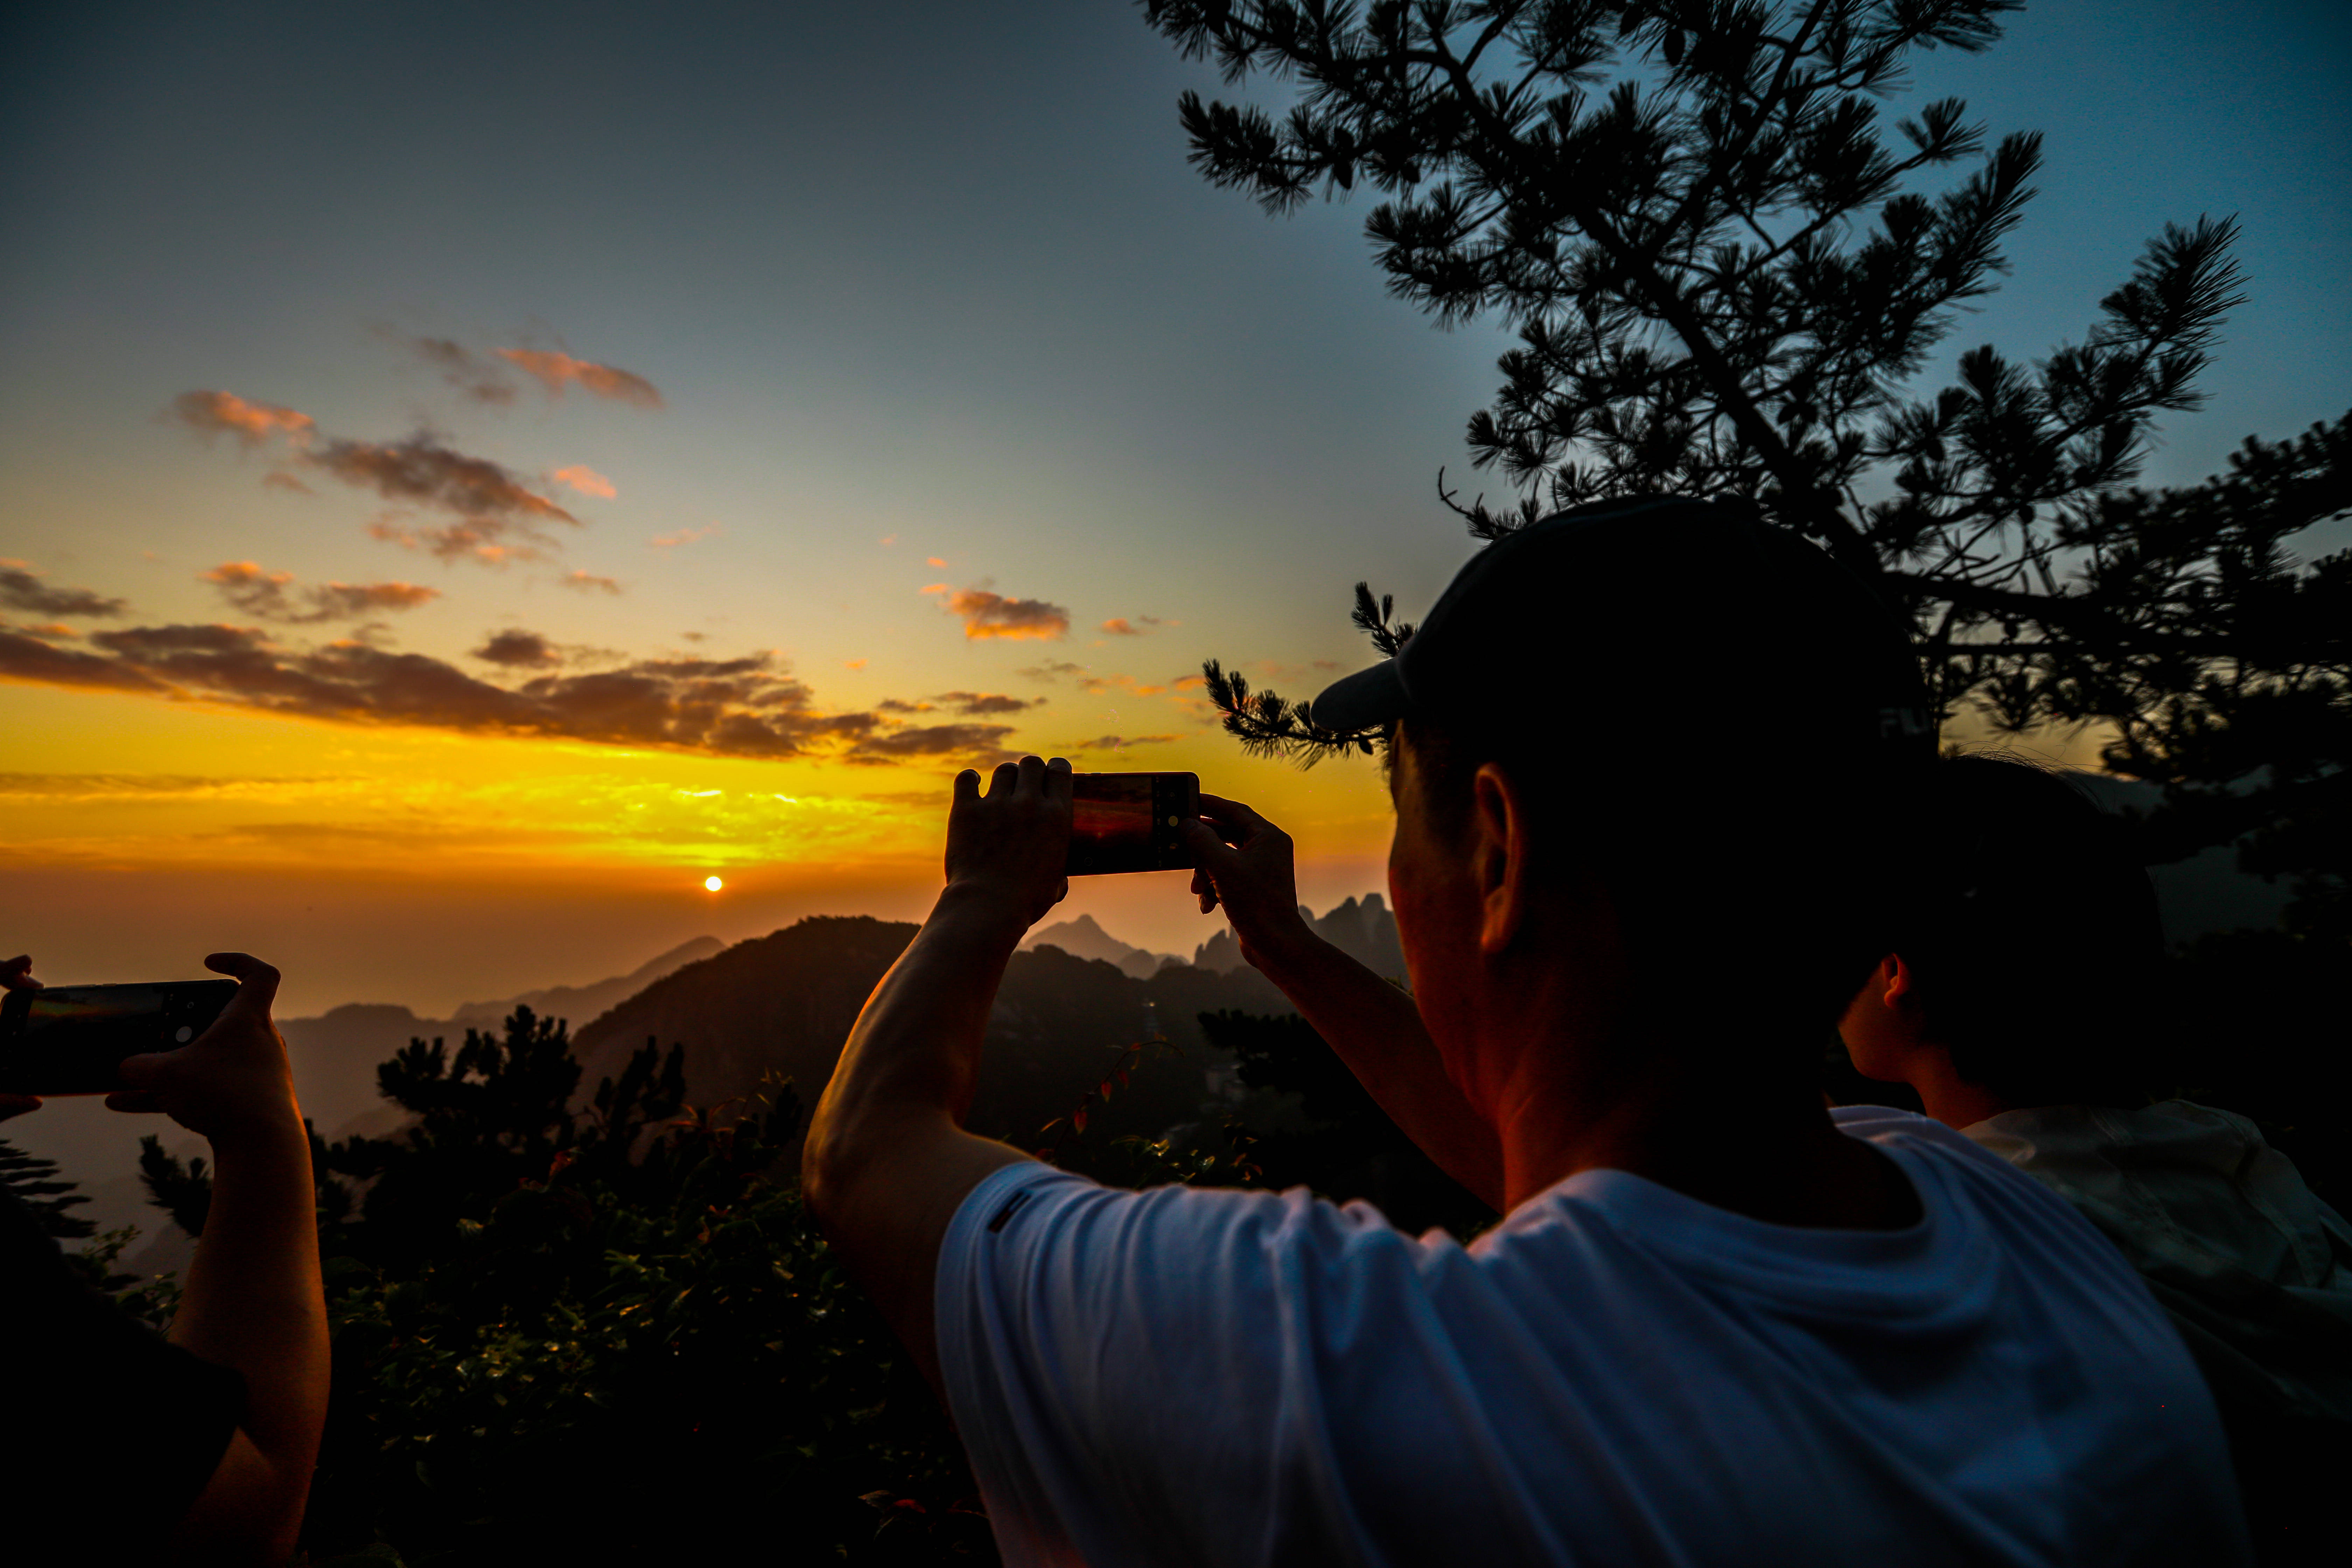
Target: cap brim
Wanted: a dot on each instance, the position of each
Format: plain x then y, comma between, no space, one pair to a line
1368,699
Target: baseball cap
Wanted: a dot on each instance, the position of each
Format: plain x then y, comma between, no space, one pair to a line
1654,617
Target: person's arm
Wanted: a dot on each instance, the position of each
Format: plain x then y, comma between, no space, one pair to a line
253,1299
1245,864
887,1162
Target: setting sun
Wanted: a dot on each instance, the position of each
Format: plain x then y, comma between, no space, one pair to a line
712,884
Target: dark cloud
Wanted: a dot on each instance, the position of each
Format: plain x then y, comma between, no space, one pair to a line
893,705
1051,669
30,659
559,371
211,414
739,707
492,508
273,596
21,588
1121,742
988,614
981,743
281,481
979,704
477,378
518,650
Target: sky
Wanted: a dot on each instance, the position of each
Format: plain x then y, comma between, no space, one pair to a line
479,471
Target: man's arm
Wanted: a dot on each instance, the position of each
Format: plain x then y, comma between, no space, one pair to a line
1245,864
253,1299
887,1162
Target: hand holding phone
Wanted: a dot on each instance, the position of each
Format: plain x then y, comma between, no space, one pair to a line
73,1039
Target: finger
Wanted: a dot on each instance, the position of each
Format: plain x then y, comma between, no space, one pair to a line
256,983
1210,851
1232,813
17,973
1065,892
18,1105
966,786
132,1101
143,1072
1004,779
1032,780
1060,783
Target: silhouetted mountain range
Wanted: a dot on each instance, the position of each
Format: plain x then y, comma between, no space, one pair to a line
1362,927
1082,938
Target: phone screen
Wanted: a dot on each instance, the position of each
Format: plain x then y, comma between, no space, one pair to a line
1129,822
69,1039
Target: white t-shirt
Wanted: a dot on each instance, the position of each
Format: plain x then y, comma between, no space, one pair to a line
1615,1373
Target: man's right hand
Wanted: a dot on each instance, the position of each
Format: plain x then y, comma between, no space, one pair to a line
1244,862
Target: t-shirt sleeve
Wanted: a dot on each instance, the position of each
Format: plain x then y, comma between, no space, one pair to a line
105,1419
1141,1377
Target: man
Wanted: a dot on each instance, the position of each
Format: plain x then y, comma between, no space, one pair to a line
197,1447
2022,1001
1713,1326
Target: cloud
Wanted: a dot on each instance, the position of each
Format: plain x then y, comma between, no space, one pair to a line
559,371
271,595
1097,684
589,582
422,472
1121,742
853,664
21,588
979,704
477,378
973,742
279,479
29,659
933,560
586,480
738,707
896,705
1051,669
211,414
987,614
518,650
683,536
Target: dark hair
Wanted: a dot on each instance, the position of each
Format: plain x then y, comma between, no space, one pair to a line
2034,935
1778,883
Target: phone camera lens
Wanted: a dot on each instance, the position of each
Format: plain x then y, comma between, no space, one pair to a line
185,1033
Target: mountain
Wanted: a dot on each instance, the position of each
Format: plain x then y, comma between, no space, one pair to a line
1363,929
783,1003
1082,938
581,1004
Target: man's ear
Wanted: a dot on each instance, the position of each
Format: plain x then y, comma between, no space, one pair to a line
1898,985
1499,850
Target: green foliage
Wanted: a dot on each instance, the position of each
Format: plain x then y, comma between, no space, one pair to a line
34,1183
1726,269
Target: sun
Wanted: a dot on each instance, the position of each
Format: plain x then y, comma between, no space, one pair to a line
712,884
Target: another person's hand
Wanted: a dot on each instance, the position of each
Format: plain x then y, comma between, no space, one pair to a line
1009,846
1244,863
16,974
233,1080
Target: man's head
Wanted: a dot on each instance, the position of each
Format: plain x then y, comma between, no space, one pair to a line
1683,738
2027,960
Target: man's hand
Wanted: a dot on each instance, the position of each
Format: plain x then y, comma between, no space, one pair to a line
1244,863
1008,846
232,1079
16,974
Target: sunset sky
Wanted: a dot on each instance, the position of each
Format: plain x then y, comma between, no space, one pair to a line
467,474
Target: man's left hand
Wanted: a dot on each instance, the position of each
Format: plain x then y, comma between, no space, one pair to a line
1008,846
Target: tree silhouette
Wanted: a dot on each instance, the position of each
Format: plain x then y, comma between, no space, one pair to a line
1725,270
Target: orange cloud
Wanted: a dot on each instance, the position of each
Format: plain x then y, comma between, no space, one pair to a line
559,371
590,582
853,664
987,614
933,560
1143,625
1097,684
268,596
683,536
586,480
212,413
21,588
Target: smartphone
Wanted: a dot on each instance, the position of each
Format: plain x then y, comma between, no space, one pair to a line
69,1039
1131,822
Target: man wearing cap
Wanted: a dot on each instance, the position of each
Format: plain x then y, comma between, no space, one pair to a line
1651,764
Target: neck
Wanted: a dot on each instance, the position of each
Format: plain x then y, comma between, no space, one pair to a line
1951,1098
1758,1143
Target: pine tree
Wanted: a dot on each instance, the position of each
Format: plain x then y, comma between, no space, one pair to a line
34,1183
1726,270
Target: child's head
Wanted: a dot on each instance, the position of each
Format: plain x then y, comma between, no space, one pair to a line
2029,954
